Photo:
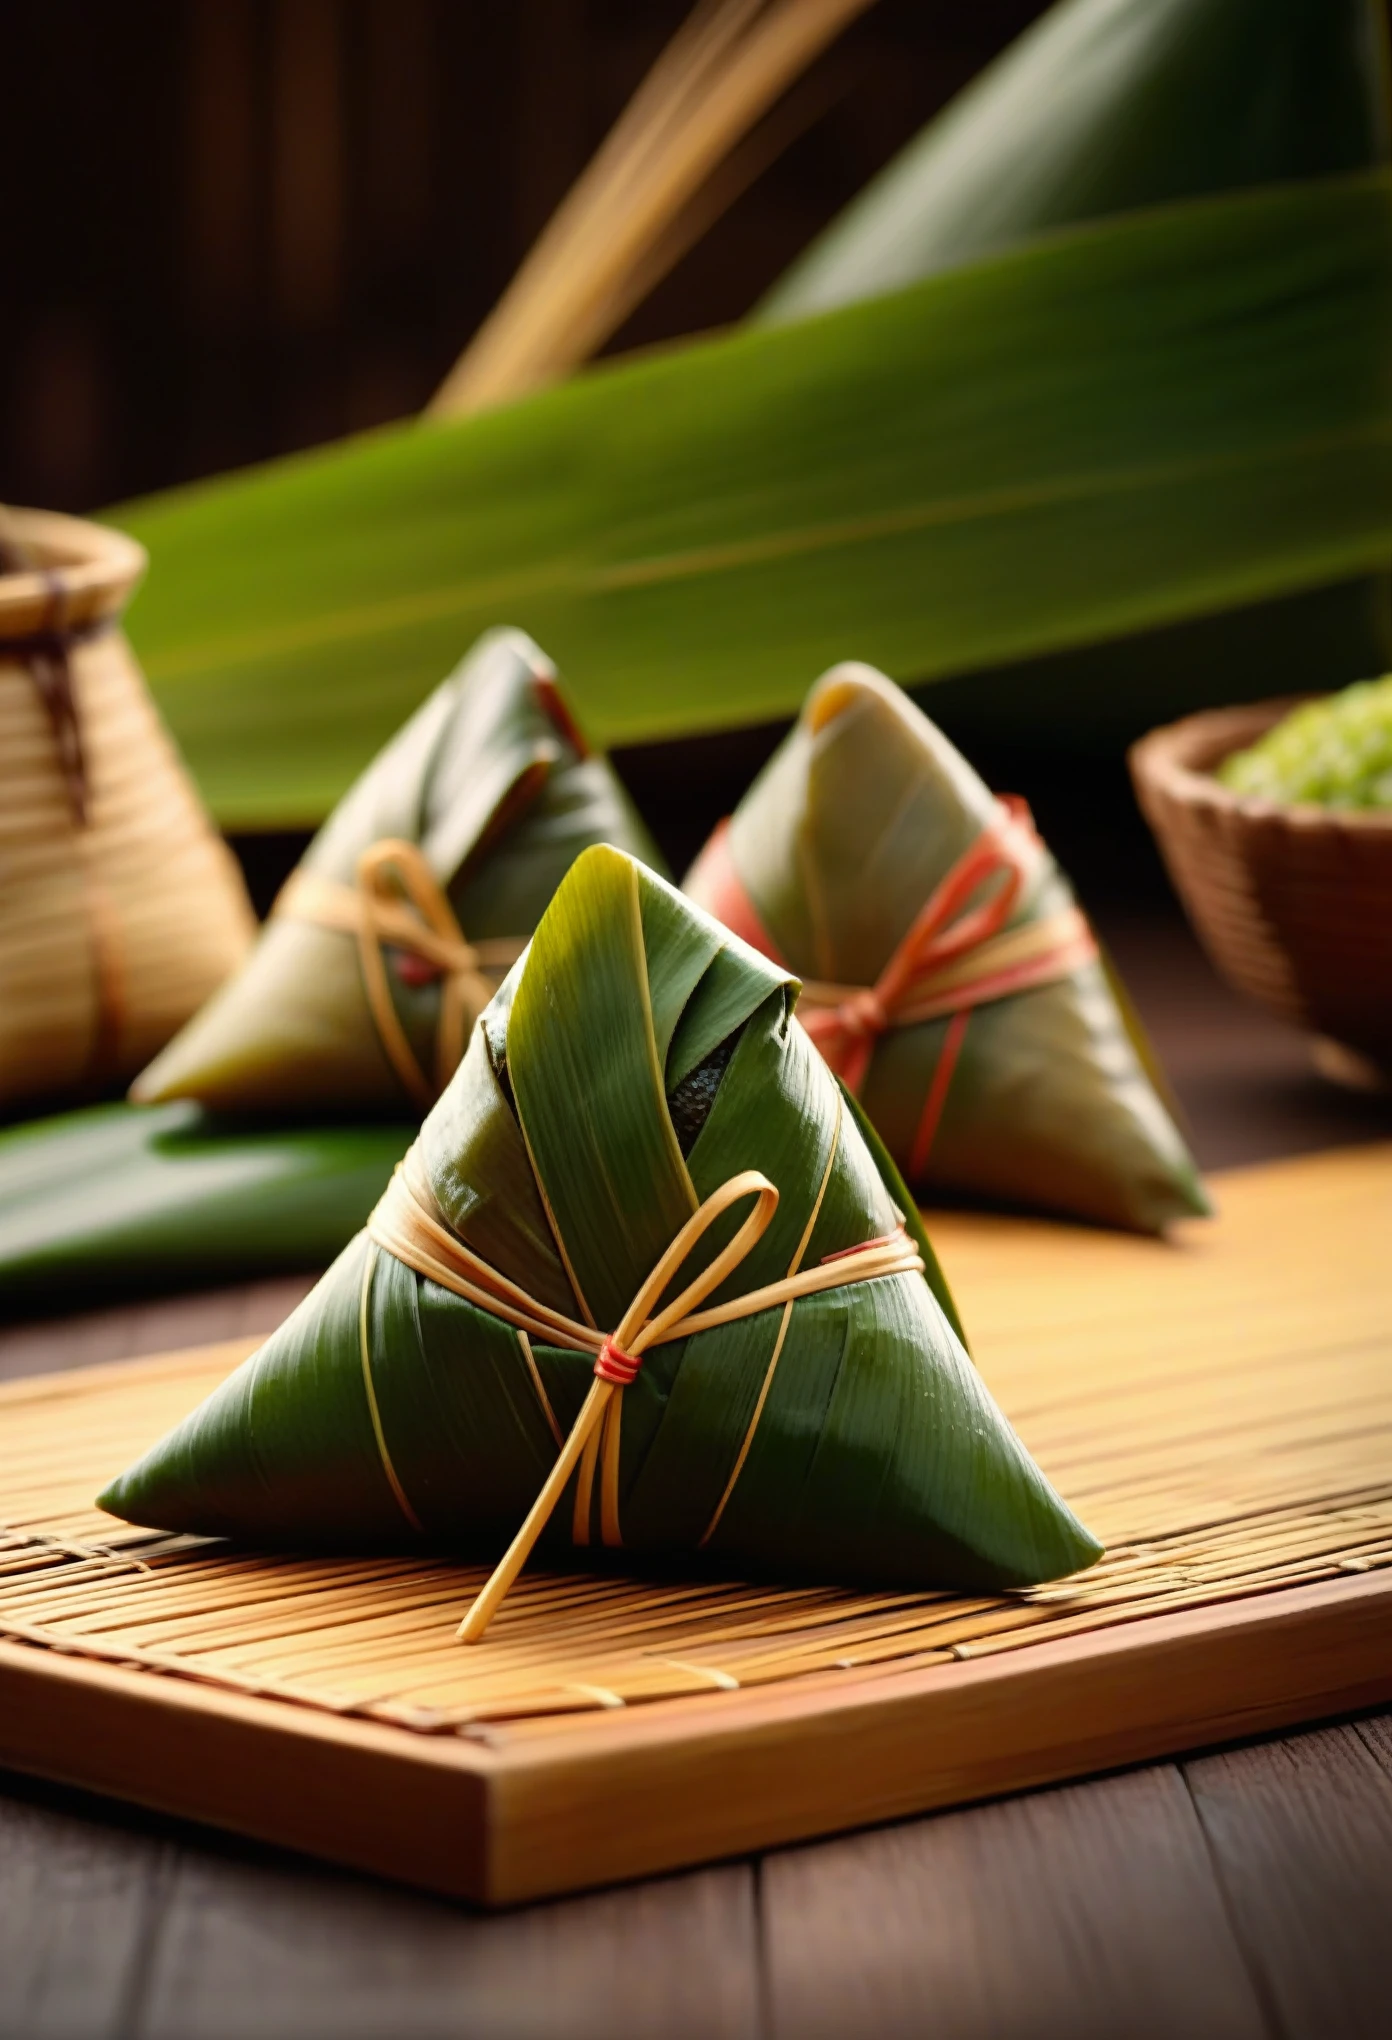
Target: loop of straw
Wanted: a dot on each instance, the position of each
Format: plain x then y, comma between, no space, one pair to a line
408,1225
399,903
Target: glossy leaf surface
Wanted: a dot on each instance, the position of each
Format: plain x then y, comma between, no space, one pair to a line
839,843
877,1453
1156,417
489,778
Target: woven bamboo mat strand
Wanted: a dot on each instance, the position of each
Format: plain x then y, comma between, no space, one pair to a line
1218,1408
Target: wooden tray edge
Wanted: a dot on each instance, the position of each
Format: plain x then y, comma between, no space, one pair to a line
688,1782
415,1808
664,1787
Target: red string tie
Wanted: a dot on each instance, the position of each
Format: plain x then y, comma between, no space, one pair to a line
616,1366
863,1247
865,1017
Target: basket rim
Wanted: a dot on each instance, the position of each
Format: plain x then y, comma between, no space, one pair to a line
1175,761
88,575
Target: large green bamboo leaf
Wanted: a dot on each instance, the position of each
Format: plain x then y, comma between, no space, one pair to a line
1104,107
1123,425
1108,106
118,1200
388,1406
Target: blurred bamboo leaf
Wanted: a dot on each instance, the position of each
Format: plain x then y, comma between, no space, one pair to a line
119,1199
1117,426
1104,107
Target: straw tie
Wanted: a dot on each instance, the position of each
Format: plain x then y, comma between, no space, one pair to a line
958,954
398,903
408,1226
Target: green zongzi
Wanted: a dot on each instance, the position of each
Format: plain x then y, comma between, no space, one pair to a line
950,977
364,985
507,1327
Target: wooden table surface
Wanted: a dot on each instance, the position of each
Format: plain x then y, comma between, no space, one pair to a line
1240,1892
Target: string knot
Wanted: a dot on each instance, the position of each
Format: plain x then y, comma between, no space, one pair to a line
617,1367
407,1223
864,1015
399,906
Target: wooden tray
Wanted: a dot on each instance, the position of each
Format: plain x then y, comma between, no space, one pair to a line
1219,1409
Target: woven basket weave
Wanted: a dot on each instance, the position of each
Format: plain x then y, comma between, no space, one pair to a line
121,908
1293,904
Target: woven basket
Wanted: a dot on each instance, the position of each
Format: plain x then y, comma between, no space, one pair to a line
1293,904
121,908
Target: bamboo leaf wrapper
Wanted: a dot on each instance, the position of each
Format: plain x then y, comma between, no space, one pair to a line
1037,1093
410,904
637,1059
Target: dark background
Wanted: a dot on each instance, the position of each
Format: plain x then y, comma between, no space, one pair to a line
233,228
237,227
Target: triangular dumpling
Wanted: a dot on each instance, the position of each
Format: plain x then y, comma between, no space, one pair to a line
1038,1096
637,1060
492,785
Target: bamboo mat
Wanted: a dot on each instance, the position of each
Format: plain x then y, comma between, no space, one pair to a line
1218,1409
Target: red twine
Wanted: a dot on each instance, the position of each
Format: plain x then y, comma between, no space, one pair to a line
948,928
616,1366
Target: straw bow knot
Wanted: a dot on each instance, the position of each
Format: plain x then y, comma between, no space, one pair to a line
617,1364
408,1224
398,903
403,906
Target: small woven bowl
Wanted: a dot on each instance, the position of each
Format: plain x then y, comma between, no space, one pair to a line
1293,904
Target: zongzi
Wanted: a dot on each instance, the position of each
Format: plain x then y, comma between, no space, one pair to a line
950,977
802,1406
121,908
364,985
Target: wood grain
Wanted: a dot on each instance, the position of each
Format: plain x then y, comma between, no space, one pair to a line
1301,1833
1090,1912
76,1904
80,1926
1223,1412
252,1946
